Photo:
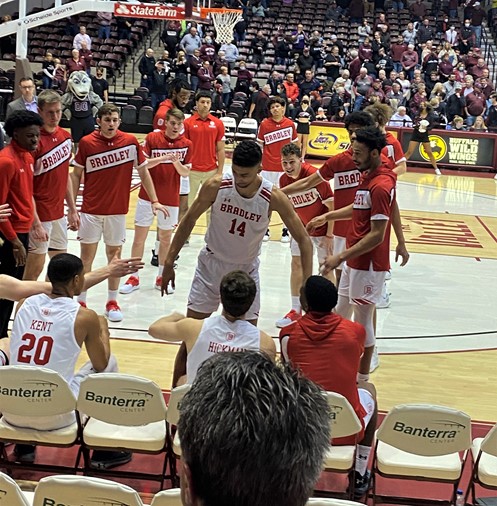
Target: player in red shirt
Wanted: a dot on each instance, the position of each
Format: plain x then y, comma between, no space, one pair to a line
327,348
166,177
51,186
274,132
107,158
16,189
307,205
367,254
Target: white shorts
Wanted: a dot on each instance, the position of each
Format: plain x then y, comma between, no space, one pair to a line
57,237
144,216
93,226
361,287
367,402
316,243
272,176
184,185
204,294
339,246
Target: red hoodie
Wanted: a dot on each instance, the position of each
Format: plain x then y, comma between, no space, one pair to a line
328,348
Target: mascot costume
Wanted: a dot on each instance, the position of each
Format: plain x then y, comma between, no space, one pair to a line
80,105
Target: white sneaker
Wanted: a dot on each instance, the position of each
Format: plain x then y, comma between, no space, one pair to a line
266,236
132,284
290,317
158,285
375,360
113,311
384,302
438,172
285,236
388,276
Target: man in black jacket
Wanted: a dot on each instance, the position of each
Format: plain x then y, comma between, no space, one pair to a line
158,89
146,67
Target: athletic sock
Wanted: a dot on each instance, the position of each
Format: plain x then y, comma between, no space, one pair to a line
161,270
157,246
362,459
112,295
136,274
82,297
296,304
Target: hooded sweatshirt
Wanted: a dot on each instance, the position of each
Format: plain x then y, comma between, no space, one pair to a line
328,348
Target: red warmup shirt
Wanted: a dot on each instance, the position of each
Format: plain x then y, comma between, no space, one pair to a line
204,134
310,203
16,189
274,135
374,200
108,166
327,349
51,173
160,115
393,151
165,177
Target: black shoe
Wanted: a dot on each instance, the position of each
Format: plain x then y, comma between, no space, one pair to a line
285,236
106,460
362,483
25,453
155,259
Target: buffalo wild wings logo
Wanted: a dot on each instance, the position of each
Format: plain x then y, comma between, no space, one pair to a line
438,148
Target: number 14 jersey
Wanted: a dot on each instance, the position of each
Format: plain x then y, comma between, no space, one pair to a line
238,224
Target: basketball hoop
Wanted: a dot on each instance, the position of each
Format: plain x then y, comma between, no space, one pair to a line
224,22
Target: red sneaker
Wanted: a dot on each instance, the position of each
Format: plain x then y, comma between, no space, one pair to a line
113,311
132,284
290,317
82,304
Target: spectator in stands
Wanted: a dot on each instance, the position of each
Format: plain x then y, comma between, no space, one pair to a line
449,85
309,84
383,62
339,100
180,65
366,50
355,64
438,91
258,10
100,84
456,124
396,50
258,107
299,39
87,56
332,12
451,36
479,125
466,37
124,27
244,78
59,80
27,101
418,10
333,64
321,115
394,98
438,110
281,49
486,88
205,76
76,63
48,71
364,30
305,61
425,32
361,87
231,54
477,70
491,120
208,50
316,49
240,29
468,85
456,103
158,88
190,42
327,349
335,42
409,60
476,105
460,72
146,67
419,98
453,5
195,63
275,399
431,81
170,36
104,22
445,67
273,80
477,18
80,37
356,11
292,90
220,61
400,118
225,79
377,43
258,45
409,34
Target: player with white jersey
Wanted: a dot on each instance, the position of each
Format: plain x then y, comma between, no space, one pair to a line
51,186
107,158
217,334
307,204
175,148
49,331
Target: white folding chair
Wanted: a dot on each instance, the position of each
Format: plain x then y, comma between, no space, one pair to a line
317,501
247,129
171,497
484,473
83,490
33,401
10,493
344,422
421,442
125,413
229,127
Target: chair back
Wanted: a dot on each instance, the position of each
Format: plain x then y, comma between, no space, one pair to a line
146,115
229,124
175,399
171,497
34,392
128,114
121,399
489,444
425,429
248,126
344,420
318,501
67,489
10,493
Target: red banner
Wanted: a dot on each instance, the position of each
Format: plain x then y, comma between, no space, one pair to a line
148,11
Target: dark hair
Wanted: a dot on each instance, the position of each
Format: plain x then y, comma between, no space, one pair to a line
178,84
372,137
107,110
360,118
203,94
255,85
63,267
238,291
253,432
247,154
275,100
21,119
321,294
24,79
291,149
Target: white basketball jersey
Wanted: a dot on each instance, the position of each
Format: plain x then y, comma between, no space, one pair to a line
219,335
43,334
238,224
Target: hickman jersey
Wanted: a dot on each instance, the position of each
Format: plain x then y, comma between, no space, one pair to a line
310,203
165,177
219,335
108,166
274,136
374,200
51,172
238,224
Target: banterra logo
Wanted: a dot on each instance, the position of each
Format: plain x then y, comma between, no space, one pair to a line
324,141
95,501
32,390
335,411
130,399
448,430
438,148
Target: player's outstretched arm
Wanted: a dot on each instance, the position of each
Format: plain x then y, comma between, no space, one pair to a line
303,184
176,328
400,250
344,213
117,267
14,289
205,198
281,204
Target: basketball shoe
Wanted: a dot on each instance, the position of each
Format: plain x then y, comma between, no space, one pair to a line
266,236
285,236
132,284
290,317
158,285
113,311
155,259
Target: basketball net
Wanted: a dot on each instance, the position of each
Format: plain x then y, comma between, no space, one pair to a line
224,22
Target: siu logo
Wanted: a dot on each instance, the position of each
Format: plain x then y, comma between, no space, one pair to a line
46,311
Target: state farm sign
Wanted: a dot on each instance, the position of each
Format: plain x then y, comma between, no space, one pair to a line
150,11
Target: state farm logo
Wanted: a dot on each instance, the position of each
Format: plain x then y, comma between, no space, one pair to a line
439,430
152,11
128,399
